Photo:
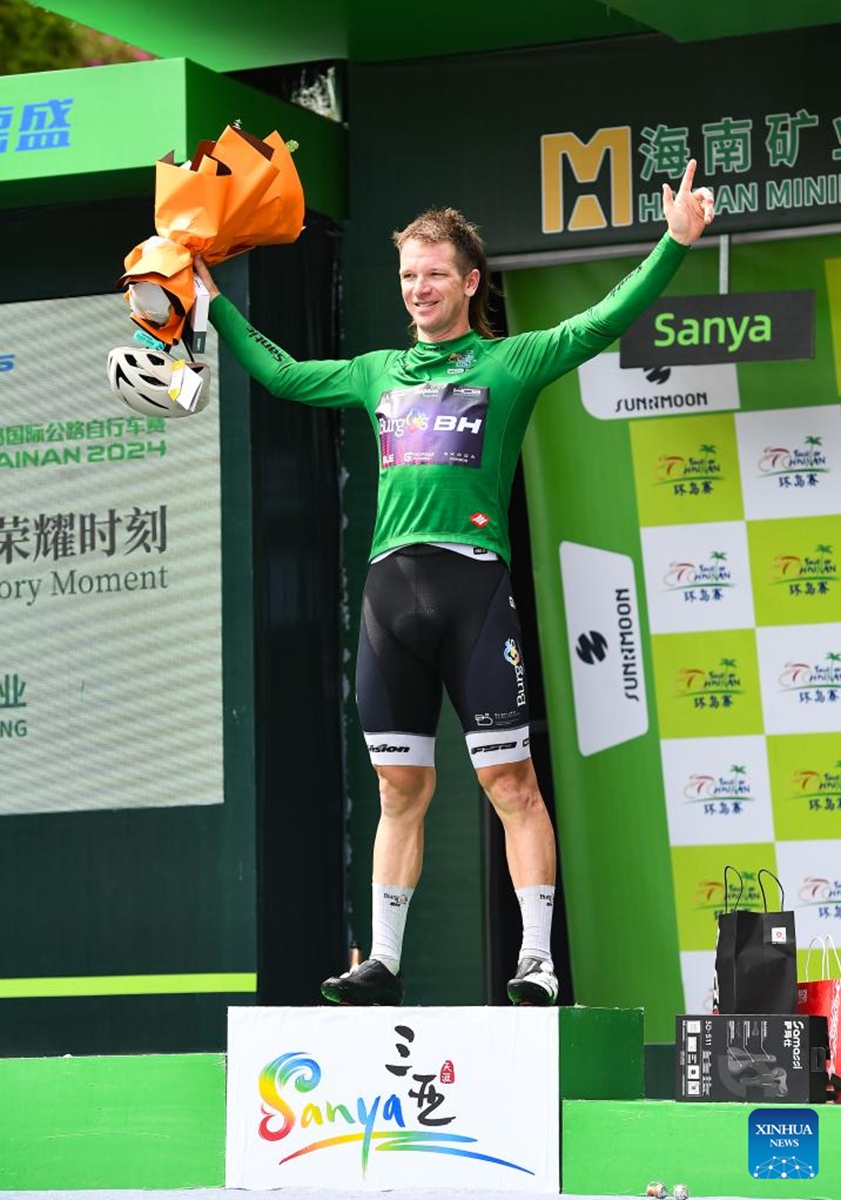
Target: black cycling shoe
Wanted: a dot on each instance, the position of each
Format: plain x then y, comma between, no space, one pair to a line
535,983
369,983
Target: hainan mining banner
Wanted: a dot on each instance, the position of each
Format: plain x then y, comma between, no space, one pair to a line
590,161
110,576
686,529
373,1099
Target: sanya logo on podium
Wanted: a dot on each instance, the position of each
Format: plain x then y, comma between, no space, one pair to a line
393,1098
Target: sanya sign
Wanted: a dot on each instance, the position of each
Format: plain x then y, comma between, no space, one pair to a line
383,1098
737,327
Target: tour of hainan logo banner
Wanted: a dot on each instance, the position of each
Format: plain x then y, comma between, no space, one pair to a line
797,466
716,686
721,794
813,682
705,580
809,573
821,893
417,1110
710,894
818,790
693,474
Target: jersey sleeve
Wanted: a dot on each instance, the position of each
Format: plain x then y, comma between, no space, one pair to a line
324,383
547,354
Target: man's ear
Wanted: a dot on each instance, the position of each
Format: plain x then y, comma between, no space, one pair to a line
471,283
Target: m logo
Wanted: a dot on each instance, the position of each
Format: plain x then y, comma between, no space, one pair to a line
593,648
586,160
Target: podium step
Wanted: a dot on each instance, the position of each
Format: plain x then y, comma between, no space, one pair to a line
136,1121
602,1056
616,1148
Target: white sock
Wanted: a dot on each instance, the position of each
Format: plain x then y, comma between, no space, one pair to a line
389,908
536,907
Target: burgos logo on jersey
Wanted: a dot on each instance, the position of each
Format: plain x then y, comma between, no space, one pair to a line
511,654
415,421
7,362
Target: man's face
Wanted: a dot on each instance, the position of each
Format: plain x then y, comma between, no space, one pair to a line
435,292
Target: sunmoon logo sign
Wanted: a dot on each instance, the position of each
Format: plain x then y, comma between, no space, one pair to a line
783,1144
591,647
605,649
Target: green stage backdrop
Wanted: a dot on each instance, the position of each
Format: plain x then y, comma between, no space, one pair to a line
685,537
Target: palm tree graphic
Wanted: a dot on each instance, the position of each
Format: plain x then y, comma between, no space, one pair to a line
718,556
813,441
706,448
739,770
728,662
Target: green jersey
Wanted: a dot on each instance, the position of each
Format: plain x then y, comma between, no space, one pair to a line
449,417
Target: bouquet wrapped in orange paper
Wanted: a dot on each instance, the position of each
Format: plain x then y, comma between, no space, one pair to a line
236,193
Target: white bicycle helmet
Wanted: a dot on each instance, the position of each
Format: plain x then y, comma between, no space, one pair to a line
143,379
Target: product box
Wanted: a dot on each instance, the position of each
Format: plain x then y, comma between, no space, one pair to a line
752,1057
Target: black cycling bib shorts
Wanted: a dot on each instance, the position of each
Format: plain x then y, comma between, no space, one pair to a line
433,618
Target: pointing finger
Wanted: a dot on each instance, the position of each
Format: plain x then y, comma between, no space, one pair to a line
688,176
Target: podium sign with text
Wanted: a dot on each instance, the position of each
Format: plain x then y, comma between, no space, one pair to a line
381,1098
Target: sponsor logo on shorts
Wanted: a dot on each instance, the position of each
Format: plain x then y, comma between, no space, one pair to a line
480,520
483,719
492,747
511,654
384,748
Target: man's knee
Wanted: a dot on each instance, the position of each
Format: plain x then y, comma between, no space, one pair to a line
512,788
405,791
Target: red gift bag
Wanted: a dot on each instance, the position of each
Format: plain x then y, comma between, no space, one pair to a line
822,998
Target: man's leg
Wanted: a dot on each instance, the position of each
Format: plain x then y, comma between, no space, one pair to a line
513,791
405,794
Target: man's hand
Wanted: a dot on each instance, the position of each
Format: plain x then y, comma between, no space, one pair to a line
205,276
687,212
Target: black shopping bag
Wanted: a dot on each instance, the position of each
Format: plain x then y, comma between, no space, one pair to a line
755,956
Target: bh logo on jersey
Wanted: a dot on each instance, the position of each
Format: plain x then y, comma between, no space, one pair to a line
511,654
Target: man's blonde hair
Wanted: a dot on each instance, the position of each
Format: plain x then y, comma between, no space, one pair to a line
449,225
